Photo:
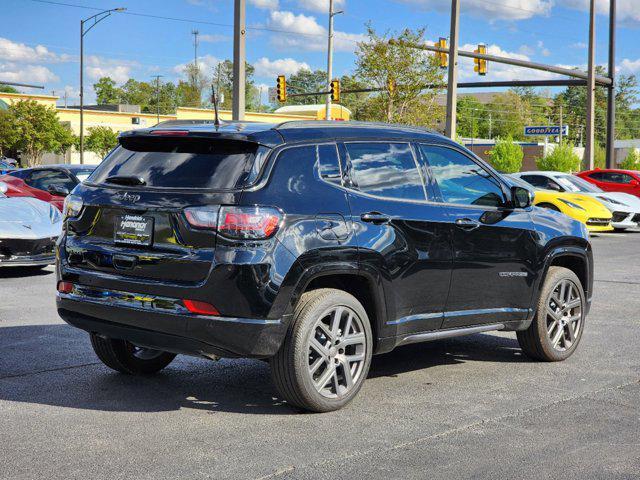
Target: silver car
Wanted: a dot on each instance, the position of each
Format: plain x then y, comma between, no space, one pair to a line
625,208
29,229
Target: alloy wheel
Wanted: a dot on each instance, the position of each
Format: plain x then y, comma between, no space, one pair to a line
564,315
336,351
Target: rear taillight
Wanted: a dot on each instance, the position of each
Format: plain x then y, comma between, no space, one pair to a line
65,287
242,223
200,308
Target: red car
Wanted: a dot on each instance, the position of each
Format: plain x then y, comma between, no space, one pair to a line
611,180
51,183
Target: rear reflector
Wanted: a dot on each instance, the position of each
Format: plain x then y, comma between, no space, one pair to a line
170,133
200,308
65,287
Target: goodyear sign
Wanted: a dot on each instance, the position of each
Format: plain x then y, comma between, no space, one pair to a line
546,131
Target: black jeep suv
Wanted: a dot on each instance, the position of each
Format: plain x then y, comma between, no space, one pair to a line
313,245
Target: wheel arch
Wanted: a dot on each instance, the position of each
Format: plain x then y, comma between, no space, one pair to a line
578,260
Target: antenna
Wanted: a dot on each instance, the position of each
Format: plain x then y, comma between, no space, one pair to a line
214,100
195,34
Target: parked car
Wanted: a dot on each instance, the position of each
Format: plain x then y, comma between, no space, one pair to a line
624,208
313,245
29,229
7,165
612,180
50,183
583,208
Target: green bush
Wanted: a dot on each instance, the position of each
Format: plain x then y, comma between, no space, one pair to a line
632,162
506,156
101,140
562,159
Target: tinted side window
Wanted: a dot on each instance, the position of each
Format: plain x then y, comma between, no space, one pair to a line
385,170
597,176
461,180
328,164
43,179
536,180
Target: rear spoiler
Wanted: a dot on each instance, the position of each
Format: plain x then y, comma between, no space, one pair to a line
268,138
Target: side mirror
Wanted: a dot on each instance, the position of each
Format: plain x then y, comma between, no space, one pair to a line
58,190
634,183
521,197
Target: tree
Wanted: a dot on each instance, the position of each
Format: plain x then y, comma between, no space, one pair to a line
506,155
632,162
38,130
472,118
101,140
379,63
222,79
9,134
7,89
107,93
561,159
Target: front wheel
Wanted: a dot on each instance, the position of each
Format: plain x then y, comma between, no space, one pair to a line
326,354
125,357
557,327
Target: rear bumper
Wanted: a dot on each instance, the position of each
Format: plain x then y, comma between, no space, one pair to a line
174,332
27,260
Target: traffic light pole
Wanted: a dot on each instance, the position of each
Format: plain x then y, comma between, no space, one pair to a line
591,90
239,60
452,88
611,98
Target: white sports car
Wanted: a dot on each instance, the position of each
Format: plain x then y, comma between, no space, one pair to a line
29,229
625,208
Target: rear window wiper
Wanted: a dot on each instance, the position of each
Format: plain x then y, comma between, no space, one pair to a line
126,180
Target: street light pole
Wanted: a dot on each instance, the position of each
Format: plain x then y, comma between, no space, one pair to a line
332,14
239,59
452,87
591,90
158,77
97,18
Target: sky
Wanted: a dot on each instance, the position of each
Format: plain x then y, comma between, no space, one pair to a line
39,39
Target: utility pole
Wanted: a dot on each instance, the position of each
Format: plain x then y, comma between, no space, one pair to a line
452,87
239,59
561,121
591,89
611,98
490,125
195,34
157,77
330,58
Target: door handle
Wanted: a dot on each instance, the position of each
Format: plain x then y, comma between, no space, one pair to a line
467,224
376,218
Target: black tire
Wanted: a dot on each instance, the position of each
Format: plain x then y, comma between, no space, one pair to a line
124,357
619,229
536,341
291,366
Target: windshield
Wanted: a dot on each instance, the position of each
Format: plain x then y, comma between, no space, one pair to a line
180,162
576,184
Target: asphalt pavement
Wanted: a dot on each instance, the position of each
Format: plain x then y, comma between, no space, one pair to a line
471,407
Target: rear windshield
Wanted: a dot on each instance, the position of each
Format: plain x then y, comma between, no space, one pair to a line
181,163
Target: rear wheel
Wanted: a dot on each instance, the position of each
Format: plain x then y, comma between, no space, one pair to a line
125,357
557,327
326,354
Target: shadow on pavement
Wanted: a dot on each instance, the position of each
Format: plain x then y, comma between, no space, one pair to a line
20,272
54,365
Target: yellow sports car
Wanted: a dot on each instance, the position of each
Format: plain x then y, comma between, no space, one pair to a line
583,208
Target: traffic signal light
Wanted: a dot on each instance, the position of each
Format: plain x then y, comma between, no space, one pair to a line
391,86
334,89
443,58
481,63
281,88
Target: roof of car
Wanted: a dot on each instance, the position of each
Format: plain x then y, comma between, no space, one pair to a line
62,166
614,170
290,132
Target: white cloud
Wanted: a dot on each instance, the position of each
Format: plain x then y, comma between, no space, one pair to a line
283,66
11,72
628,11
629,66
19,52
213,38
321,6
118,70
206,64
266,4
493,10
308,34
